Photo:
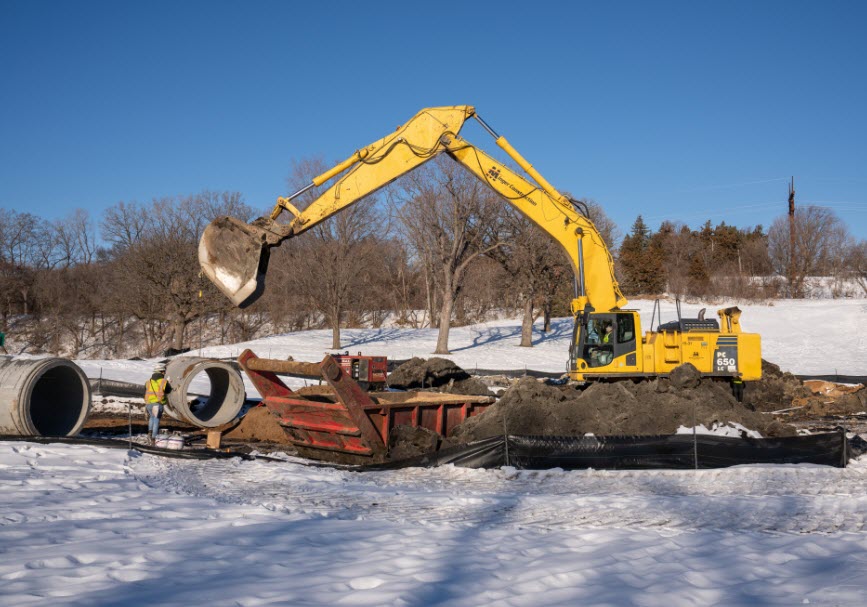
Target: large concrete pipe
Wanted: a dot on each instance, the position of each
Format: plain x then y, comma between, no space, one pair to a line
221,405
42,397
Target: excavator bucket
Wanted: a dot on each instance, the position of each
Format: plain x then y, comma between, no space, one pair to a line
234,256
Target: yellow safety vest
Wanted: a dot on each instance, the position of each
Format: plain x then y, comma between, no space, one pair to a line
605,338
155,391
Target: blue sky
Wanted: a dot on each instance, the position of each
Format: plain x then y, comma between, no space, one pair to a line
676,110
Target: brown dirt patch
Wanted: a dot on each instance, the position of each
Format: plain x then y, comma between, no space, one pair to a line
260,426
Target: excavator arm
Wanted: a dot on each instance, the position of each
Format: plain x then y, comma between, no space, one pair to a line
234,255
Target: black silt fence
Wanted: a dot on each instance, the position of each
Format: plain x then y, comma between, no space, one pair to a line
680,451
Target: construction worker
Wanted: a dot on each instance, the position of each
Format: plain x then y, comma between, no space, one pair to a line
156,389
607,337
738,388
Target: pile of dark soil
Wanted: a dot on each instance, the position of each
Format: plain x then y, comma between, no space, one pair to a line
776,390
436,373
658,406
405,442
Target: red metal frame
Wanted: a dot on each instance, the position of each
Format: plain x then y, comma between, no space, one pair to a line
349,421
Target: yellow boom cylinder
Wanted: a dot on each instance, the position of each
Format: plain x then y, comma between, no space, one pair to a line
514,155
358,155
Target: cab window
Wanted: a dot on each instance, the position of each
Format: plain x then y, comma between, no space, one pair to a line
625,328
608,336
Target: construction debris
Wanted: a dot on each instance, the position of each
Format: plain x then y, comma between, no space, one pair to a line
779,391
828,398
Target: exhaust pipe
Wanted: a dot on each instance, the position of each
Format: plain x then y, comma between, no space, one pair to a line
42,397
222,404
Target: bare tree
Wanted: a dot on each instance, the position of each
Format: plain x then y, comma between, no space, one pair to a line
817,229
403,281
531,259
856,263
75,239
155,254
26,246
451,219
332,264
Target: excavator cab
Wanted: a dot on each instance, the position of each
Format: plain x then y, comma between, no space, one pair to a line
605,341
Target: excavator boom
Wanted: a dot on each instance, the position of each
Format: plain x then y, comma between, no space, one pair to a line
234,255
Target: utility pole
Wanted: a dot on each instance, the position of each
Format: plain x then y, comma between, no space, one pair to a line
792,238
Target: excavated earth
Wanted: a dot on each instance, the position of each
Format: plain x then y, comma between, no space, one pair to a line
775,391
658,406
439,374
259,425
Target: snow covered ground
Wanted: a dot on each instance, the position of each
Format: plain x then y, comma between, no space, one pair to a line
84,525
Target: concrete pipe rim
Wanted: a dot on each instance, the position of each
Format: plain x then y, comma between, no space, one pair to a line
37,415
222,404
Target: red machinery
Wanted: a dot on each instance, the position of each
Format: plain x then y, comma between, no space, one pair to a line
341,416
368,370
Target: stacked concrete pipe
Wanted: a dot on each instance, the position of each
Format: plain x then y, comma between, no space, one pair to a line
226,396
42,397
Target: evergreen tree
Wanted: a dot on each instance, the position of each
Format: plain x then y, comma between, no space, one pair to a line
641,261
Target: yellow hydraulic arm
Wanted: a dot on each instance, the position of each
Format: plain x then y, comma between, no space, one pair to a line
427,134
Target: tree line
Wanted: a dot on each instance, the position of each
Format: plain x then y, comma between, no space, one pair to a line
725,261
435,249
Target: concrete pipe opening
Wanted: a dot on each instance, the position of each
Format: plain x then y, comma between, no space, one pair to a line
221,389
42,397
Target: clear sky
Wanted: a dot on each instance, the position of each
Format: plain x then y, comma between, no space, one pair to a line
676,110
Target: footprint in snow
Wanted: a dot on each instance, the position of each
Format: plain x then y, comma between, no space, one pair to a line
366,583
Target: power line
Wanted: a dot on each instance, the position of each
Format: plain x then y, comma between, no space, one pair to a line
729,185
721,210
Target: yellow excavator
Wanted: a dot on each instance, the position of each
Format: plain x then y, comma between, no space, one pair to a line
607,342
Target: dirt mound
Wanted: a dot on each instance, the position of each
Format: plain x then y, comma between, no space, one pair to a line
470,386
425,373
260,426
406,441
686,376
438,373
776,390
618,408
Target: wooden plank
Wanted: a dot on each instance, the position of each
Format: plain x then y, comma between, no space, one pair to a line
416,398
215,437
